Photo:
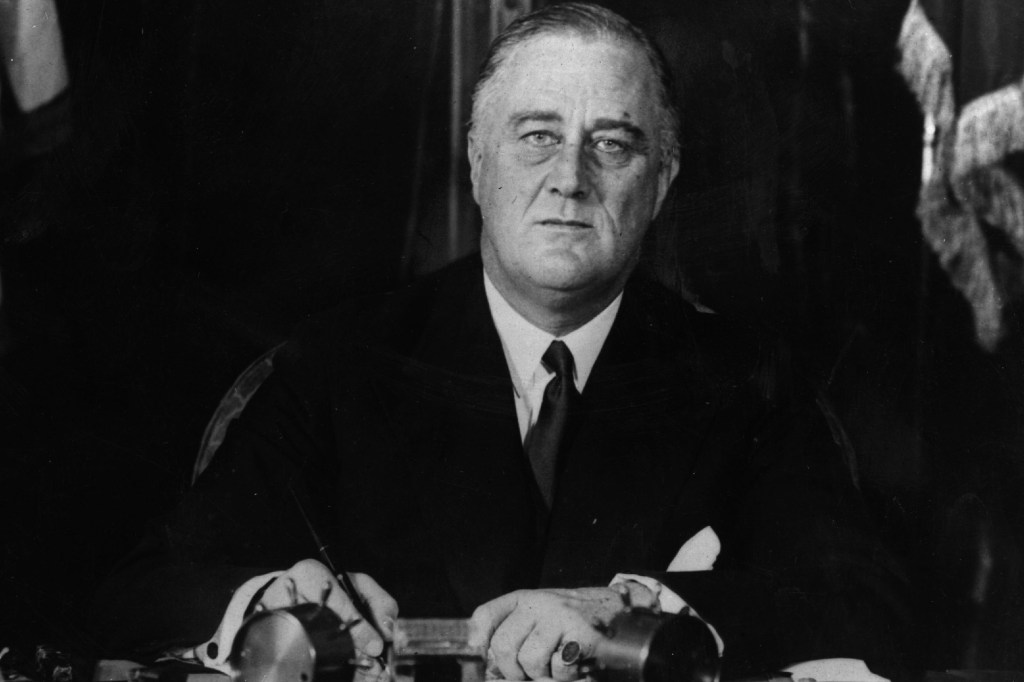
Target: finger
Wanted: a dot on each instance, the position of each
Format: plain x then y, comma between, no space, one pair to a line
506,642
374,672
382,605
303,582
282,593
364,637
538,650
274,597
487,617
565,661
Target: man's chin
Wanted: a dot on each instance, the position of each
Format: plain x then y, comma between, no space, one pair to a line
564,281
562,269
569,293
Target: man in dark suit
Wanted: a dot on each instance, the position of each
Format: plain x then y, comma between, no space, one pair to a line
512,435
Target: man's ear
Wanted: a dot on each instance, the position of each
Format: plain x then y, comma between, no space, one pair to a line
475,153
668,172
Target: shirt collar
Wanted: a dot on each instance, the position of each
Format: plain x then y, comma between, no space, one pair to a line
524,344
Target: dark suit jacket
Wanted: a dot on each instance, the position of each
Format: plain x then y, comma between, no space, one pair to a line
393,420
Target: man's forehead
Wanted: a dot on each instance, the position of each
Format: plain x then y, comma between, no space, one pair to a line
560,72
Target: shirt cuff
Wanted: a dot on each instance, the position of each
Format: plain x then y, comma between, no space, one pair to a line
668,600
214,652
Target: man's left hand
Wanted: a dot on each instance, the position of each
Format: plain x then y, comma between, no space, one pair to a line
524,631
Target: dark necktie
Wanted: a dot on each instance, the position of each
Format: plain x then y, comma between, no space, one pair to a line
545,439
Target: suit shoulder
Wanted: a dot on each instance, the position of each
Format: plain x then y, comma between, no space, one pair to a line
729,350
393,320
693,329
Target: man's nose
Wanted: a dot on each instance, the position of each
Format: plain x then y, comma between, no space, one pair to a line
568,177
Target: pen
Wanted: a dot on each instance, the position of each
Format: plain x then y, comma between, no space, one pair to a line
347,586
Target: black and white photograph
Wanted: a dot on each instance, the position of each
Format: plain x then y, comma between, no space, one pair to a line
466,340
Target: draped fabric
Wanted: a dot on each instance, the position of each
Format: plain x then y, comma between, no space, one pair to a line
964,61
35,77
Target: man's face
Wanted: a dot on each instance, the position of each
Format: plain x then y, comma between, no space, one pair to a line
568,169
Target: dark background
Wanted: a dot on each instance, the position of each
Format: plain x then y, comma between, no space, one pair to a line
235,166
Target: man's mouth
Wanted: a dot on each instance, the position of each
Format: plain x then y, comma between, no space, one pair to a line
560,222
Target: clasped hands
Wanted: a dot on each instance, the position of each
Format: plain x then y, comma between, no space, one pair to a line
523,632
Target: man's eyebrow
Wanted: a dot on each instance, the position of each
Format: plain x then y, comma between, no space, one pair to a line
618,124
535,115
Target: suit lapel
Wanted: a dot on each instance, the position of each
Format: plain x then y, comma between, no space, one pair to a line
459,335
479,479
632,454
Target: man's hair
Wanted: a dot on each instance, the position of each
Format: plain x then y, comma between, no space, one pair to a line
588,21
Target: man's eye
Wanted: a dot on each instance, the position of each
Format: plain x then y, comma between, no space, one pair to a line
609,146
540,139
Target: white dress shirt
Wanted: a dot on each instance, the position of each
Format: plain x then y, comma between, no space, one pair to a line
525,345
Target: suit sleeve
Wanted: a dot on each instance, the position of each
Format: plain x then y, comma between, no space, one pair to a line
240,520
801,574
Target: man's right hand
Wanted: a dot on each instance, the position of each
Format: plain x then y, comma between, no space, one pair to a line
307,580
